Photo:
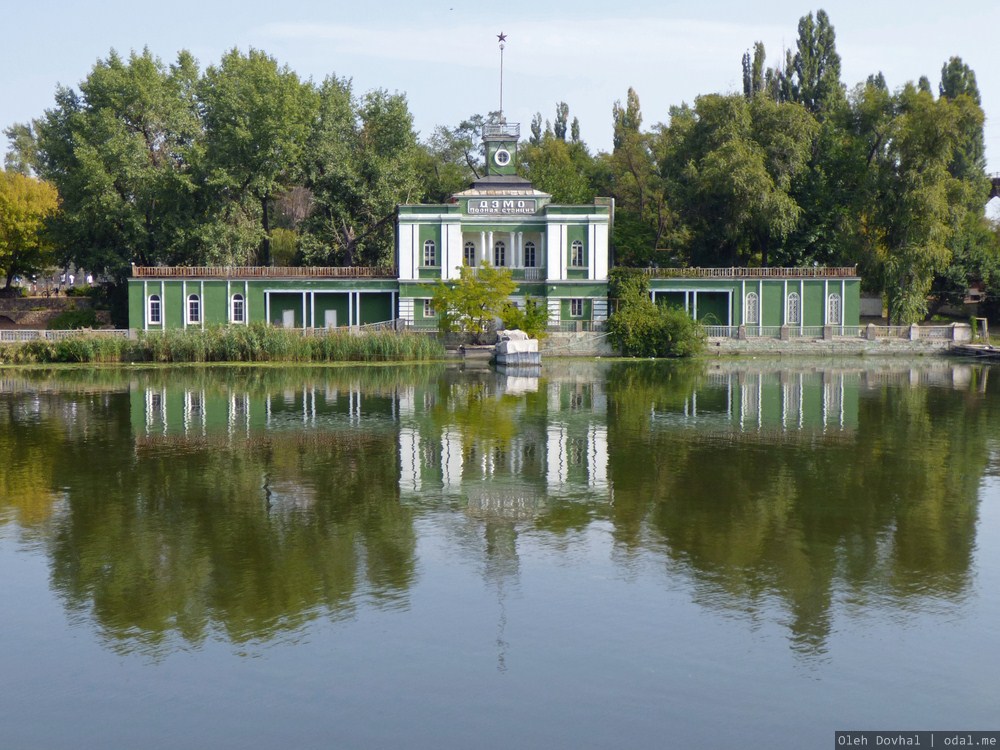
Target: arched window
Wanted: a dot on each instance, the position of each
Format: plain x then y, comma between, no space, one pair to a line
238,310
529,254
499,254
752,317
470,254
194,308
154,309
833,309
794,309
576,254
430,253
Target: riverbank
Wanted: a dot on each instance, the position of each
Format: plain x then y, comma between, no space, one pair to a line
252,343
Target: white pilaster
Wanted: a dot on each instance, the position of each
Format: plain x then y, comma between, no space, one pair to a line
406,251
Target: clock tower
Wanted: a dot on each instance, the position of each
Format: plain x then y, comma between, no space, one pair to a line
500,140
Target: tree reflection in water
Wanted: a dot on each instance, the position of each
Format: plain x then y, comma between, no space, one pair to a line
243,503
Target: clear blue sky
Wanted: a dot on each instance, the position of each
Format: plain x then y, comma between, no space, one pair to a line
443,53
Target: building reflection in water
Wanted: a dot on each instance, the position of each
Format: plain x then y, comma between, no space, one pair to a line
712,469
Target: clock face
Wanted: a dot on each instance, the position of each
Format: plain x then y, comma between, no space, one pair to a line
501,157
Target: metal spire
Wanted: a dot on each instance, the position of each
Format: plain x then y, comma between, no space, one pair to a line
502,39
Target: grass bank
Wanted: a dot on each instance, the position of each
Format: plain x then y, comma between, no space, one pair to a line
253,343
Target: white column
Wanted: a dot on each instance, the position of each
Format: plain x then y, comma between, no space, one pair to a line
184,301
482,248
246,301
201,303
405,251
229,301
489,246
267,307
304,310
592,251
312,308
145,306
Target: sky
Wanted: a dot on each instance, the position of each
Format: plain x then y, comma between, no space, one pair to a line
443,54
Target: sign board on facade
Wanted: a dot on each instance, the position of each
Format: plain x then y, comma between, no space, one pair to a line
501,206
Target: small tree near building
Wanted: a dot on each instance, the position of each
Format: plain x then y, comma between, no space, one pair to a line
475,302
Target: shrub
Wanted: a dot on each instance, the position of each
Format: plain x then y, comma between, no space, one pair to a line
73,319
640,328
533,319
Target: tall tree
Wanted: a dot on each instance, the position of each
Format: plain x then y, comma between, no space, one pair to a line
730,165
25,205
362,160
123,154
559,168
753,71
911,197
813,73
258,116
561,121
643,217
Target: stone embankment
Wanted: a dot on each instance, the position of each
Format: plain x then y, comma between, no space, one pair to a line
36,312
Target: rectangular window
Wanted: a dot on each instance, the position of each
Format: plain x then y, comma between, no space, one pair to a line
577,257
529,255
238,308
154,310
430,253
194,309
429,309
576,308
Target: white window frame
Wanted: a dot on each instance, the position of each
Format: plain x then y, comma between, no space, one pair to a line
430,254
529,254
751,309
154,299
499,254
834,309
238,298
576,307
469,254
429,311
577,257
793,309
196,318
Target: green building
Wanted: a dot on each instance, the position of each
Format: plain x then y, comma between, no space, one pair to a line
557,254
762,298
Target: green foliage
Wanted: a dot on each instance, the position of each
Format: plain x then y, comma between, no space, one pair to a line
362,160
72,319
475,301
256,342
533,318
640,328
559,168
25,206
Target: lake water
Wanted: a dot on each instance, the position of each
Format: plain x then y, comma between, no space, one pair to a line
727,554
